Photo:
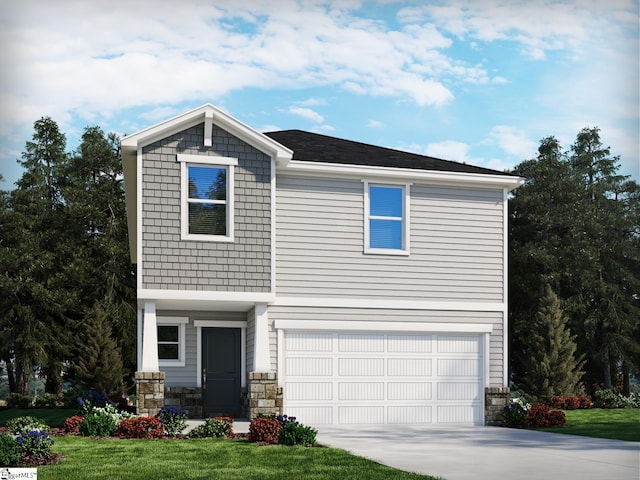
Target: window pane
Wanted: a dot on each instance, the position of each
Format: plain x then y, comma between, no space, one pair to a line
168,352
208,183
168,333
385,234
207,219
385,201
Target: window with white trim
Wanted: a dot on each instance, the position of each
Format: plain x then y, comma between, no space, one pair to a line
386,222
207,197
171,341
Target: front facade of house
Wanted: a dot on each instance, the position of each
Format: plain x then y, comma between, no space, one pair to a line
334,281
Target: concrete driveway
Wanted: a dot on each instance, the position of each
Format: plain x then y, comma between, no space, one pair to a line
460,453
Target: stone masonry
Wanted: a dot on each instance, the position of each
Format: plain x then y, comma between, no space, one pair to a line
263,394
149,392
188,399
495,399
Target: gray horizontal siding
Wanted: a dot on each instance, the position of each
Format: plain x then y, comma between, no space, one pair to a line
367,316
456,243
187,376
167,261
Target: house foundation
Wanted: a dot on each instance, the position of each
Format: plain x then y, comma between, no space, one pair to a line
149,392
188,399
495,399
263,394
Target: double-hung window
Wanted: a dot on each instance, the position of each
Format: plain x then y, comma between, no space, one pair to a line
207,197
171,341
386,222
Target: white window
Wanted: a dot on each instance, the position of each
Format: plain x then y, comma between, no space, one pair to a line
386,223
207,197
171,341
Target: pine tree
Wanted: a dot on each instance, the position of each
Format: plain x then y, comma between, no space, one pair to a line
552,368
97,364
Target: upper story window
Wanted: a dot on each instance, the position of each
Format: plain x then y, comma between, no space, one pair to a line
386,222
207,197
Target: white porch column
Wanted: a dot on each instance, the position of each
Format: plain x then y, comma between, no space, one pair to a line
149,339
261,357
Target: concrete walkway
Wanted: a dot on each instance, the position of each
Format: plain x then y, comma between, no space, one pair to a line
465,453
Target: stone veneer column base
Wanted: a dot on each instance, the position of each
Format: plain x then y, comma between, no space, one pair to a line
495,399
263,394
188,399
149,392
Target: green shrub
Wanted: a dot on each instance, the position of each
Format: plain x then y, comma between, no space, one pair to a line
140,427
98,425
515,412
216,427
605,399
18,400
173,419
294,433
25,424
9,451
264,430
49,400
35,444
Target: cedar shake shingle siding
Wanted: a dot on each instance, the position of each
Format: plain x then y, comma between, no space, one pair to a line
175,264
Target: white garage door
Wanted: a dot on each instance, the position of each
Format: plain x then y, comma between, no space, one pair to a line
359,378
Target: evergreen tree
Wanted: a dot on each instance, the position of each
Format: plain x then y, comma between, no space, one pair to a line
97,364
552,368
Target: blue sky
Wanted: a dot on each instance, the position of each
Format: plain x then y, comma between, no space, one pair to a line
476,81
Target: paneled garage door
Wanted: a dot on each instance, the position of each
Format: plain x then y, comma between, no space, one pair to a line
374,378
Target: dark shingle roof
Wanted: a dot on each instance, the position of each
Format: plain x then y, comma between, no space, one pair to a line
314,147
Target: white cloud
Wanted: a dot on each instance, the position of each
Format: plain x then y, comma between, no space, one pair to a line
375,124
512,141
449,150
306,113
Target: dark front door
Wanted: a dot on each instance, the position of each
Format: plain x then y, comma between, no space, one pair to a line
221,372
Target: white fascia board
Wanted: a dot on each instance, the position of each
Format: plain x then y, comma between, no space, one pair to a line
368,326
201,299
207,114
297,167
379,303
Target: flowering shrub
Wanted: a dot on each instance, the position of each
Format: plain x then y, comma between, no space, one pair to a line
216,427
36,443
20,425
173,419
140,427
515,412
71,424
264,430
94,400
9,451
610,399
570,402
101,421
539,416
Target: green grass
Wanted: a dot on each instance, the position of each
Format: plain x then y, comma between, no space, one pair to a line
616,424
113,459
53,417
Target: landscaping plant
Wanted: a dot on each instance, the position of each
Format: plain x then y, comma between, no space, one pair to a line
264,430
9,451
173,419
140,427
35,444
216,427
515,412
20,425
539,416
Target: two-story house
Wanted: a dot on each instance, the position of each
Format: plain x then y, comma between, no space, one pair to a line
339,282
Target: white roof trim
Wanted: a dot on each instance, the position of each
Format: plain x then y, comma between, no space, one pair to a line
298,167
207,114
367,326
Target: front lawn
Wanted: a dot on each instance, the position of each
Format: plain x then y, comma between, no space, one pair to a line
617,424
52,416
111,459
